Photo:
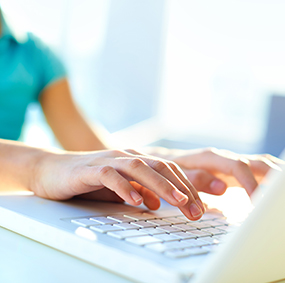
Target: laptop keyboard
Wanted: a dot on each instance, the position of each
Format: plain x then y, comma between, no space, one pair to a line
165,232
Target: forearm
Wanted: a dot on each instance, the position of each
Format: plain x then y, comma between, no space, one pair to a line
81,136
17,165
69,125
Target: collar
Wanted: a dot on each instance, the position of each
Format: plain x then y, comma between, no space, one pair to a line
9,30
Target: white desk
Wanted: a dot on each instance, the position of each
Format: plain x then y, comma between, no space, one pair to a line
25,261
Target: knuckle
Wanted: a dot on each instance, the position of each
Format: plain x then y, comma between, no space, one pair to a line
173,165
158,165
136,163
105,170
241,164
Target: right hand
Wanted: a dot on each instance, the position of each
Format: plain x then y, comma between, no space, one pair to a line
132,176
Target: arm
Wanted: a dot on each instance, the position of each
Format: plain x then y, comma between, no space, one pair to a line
117,175
68,124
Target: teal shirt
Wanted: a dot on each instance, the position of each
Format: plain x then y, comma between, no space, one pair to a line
27,66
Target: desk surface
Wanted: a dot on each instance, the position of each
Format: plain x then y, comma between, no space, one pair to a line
23,260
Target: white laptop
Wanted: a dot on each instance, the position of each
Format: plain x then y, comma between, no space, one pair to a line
161,246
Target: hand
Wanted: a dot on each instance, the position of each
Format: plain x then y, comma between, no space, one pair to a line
212,170
128,176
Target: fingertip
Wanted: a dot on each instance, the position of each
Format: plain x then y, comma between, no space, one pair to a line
199,202
136,197
153,204
150,199
195,211
180,197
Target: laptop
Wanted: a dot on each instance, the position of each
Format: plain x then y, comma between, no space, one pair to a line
160,246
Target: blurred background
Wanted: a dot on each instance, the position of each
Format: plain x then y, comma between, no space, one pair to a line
177,73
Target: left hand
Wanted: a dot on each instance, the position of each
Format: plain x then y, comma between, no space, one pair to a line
212,170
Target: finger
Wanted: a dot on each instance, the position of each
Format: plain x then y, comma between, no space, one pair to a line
160,178
139,171
151,200
174,173
241,170
229,163
108,177
261,165
203,181
189,186
264,157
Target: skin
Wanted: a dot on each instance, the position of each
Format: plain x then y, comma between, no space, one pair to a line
115,175
210,170
123,175
134,176
90,168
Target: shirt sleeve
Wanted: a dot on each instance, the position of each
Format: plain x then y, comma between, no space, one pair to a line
49,66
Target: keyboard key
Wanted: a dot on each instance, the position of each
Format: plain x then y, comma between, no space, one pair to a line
105,228
84,222
119,218
158,222
184,218
169,229
211,240
126,226
143,224
141,241
211,216
193,243
228,229
176,220
184,227
222,221
160,247
199,233
167,237
213,223
200,225
214,231
184,235
161,214
140,216
220,238
104,220
126,234
152,231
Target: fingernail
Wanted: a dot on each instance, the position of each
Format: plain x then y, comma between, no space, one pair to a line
200,204
195,210
135,196
217,186
179,196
